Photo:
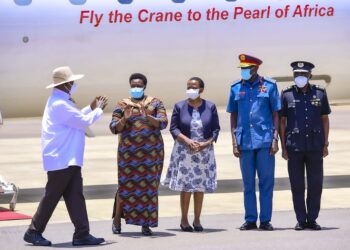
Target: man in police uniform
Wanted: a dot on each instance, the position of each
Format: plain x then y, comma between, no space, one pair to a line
254,104
304,137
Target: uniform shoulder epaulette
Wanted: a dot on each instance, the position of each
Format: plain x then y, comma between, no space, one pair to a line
319,87
236,82
267,79
288,89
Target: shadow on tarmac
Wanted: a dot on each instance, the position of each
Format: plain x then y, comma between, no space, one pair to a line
139,235
69,245
206,230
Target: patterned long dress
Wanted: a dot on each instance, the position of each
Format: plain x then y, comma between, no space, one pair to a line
140,160
192,171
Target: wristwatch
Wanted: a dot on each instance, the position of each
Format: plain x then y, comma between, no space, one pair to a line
326,143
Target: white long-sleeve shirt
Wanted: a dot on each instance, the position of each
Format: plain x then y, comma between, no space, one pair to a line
63,137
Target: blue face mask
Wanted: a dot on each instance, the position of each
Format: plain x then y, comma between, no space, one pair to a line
136,93
246,75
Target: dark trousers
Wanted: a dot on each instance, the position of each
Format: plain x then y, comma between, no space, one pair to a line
69,184
313,163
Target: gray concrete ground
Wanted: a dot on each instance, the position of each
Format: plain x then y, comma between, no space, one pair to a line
20,162
220,233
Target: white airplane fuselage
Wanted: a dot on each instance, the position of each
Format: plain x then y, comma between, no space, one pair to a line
107,41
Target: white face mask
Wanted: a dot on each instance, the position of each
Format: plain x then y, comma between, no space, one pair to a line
301,81
73,89
192,93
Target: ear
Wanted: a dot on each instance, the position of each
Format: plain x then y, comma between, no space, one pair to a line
310,76
201,90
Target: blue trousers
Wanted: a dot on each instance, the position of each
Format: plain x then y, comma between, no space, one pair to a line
258,161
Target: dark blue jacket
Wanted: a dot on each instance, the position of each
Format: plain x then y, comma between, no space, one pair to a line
304,111
182,116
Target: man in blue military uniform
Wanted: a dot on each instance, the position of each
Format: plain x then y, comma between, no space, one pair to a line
304,137
254,104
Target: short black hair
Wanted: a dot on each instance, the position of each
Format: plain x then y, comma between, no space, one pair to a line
201,83
138,76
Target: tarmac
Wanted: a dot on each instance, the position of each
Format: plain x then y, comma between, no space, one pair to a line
220,233
20,163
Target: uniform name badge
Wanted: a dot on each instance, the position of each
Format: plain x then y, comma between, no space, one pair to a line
291,105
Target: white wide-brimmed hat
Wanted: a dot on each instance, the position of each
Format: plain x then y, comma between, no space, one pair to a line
63,75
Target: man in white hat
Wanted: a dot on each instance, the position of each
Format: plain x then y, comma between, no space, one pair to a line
63,142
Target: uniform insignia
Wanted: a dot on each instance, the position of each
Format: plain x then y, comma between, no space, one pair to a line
263,89
242,58
314,97
300,65
242,93
316,102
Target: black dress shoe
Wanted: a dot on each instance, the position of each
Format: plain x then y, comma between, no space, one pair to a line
300,226
266,226
116,229
35,238
146,231
186,229
248,226
314,226
88,241
198,228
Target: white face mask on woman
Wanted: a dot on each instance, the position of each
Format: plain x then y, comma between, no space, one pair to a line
301,81
192,94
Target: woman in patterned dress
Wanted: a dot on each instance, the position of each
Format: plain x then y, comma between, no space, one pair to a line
194,126
138,121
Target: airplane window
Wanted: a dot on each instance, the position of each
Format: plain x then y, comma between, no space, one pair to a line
25,39
23,2
78,2
178,1
125,1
